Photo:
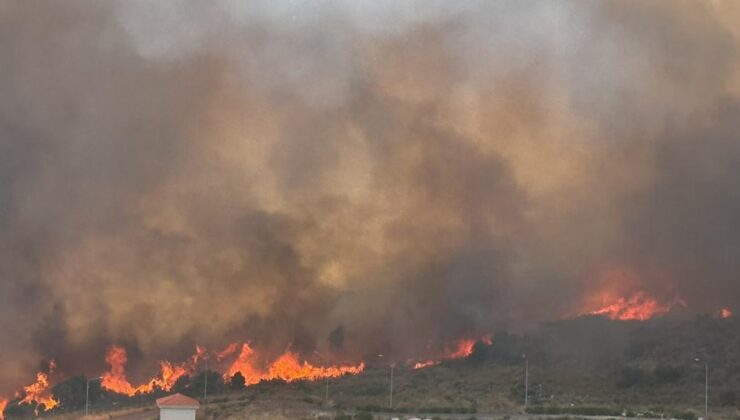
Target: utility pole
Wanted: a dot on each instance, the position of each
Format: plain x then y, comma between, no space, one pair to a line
390,402
326,393
326,389
391,397
205,388
526,381
706,386
706,390
87,394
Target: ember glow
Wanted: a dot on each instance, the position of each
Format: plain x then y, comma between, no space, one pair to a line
287,367
115,379
724,313
638,306
38,393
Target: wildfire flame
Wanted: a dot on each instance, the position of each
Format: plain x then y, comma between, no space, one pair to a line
115,379
462,349
287,367
426,363
228,351
638,307
38,392
3,404
724,313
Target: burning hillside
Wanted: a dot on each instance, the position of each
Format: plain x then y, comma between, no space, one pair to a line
286,367
460,350
255,366
37,394
115,379
637,306
336,180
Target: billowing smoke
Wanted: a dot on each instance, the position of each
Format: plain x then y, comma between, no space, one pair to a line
355,176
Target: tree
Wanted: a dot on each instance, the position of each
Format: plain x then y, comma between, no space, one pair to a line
71,392
182,384
15,410
336,338
215,383
237,381
506,349
727,398
631,376
666,374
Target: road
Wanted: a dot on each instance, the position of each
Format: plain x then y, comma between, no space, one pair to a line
490,416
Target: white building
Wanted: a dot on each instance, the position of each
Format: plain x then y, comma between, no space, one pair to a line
177,407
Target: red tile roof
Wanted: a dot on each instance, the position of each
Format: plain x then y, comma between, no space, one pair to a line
177,400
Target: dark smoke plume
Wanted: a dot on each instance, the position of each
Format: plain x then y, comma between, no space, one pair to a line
355,176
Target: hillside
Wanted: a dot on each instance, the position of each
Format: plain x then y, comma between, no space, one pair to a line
576,364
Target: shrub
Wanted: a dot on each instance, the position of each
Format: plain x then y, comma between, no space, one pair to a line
237,381
363,416
727,398
666,374
584,411
629,377
684,415
71,392
370,408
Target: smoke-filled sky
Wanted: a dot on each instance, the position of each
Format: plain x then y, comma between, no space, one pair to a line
355,176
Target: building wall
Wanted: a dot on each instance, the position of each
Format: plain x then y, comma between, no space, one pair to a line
176,414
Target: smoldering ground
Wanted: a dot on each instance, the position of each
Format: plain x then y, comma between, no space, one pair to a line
410,173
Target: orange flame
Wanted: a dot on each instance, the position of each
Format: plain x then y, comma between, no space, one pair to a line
461,349
3,404
228,351
38,392
638,306
115,379
244,364
287,367
464,348
426,363
724,313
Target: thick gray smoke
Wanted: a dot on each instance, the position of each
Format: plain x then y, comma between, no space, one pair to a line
355,176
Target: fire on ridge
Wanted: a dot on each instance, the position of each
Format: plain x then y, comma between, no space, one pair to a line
638,306
238,358
244,359
37,394
461,349
115,379
287,367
